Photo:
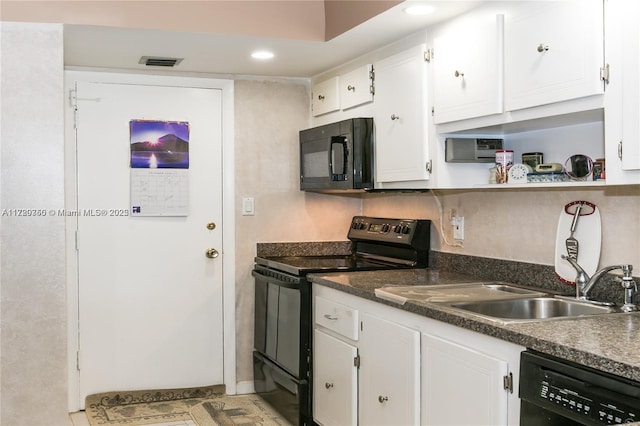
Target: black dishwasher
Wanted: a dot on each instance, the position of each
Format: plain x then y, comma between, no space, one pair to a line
559,392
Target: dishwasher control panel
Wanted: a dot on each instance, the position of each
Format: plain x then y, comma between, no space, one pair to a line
576,392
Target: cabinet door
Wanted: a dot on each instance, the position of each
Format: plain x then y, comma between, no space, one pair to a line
399,113
356,87
389,391
325,97
629,151
553,52
335,378
467,71
461,386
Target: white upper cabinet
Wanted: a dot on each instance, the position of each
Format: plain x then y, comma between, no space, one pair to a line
400,117
622,124
553,52
467,69
325,97
356,87
629,147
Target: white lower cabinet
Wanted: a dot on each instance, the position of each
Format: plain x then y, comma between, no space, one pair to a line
413,370
462,386
335,384
389,392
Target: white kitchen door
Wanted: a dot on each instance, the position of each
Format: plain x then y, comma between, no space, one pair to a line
150,300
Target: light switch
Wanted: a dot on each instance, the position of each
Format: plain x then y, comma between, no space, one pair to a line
248,206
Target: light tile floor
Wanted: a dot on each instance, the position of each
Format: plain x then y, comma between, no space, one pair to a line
80,419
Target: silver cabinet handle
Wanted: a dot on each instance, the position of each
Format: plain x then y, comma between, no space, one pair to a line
458,74
382,399
351,88
395,117
330,317
542,47
321,97
328,385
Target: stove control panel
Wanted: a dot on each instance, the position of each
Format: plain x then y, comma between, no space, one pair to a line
408,232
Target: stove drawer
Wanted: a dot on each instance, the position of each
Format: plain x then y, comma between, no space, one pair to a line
336,317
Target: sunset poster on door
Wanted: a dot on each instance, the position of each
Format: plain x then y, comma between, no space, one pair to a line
159,144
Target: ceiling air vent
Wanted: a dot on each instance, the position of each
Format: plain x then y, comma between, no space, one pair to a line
153,61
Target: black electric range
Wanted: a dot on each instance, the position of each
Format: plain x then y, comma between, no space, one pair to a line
283,326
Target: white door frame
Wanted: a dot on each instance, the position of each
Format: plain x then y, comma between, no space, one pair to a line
228,218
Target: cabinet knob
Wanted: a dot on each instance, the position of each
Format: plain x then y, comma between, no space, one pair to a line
543,47
211,253
395,117
328,385
458,74
351,88
321,97
382,399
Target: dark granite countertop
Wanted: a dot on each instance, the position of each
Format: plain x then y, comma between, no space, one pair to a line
609,343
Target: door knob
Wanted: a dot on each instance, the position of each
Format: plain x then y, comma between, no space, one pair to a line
212,253
211,226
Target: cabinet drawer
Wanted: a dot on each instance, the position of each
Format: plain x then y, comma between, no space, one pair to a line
337,317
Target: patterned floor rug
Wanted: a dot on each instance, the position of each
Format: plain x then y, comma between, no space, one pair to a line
207,406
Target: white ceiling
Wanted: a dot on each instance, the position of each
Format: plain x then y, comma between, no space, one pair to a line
121,48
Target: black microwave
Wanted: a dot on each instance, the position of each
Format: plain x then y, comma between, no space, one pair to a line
337,157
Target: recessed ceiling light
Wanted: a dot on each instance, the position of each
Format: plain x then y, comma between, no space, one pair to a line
262,54
419,9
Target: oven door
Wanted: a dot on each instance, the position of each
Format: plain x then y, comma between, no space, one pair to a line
282,320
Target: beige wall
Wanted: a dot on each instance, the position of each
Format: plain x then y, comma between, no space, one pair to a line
521,225
269,115
33,313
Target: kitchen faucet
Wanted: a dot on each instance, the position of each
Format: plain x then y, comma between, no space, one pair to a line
584,283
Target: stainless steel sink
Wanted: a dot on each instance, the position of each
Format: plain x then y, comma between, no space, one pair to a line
532,309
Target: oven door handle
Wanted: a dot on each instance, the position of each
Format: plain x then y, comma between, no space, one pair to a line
280,283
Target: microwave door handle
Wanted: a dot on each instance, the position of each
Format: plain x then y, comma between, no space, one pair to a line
342,141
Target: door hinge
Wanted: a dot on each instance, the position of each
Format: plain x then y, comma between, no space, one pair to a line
429,166
428,55
78,360
356,361
372,77
507,382
73,101
604,74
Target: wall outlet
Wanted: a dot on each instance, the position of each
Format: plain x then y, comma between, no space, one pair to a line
458,227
